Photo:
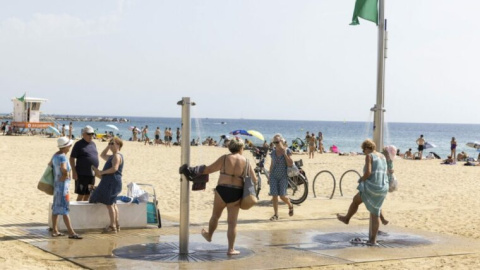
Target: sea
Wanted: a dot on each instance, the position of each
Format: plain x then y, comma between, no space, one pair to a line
347,136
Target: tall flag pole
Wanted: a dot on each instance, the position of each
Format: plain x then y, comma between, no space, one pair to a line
373,10
379,120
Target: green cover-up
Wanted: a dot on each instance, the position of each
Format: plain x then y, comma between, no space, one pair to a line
374,190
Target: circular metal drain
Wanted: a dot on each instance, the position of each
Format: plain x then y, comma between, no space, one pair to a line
386,240
169,252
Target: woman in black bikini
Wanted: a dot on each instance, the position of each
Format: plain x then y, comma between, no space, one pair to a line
229,191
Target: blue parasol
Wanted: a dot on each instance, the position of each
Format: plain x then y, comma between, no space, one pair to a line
240,132
54,130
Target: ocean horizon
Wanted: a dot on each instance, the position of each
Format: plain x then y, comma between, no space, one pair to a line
3,115
346,135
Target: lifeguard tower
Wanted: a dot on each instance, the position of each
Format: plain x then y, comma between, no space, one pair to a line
26,113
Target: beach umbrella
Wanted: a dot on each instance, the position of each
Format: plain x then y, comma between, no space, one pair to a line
256,134
131,128
112,127
54,130
475,145
429,145
240,132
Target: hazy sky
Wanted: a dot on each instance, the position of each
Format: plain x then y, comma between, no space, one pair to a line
259,59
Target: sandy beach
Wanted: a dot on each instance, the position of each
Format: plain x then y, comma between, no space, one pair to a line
431,197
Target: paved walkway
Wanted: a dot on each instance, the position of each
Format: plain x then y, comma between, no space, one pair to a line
315,244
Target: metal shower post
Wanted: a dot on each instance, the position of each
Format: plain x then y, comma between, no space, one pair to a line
184,184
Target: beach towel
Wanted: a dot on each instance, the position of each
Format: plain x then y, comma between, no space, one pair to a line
195,175
374,190
136,193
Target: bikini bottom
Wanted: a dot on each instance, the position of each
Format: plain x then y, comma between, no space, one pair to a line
229,193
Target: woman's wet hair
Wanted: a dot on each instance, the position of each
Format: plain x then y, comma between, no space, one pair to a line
235,145
369,144
118,141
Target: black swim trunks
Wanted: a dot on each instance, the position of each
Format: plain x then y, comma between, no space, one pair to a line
81,184
420,148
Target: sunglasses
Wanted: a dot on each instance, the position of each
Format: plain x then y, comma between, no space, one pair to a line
90,134
111,143
276,142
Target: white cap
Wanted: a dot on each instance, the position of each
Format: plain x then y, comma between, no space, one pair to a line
88,129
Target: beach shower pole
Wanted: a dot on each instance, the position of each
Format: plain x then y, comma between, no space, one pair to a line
184,184
378,108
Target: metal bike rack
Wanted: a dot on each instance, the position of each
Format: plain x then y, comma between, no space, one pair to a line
341,178
334,183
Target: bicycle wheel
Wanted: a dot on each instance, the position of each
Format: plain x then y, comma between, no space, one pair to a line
322,187
353,177
297,189
258,186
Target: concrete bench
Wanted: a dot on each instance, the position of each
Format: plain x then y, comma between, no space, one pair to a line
84,215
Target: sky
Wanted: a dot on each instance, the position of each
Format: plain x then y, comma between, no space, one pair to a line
252,59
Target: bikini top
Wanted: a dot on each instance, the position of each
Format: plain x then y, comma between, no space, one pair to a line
223,169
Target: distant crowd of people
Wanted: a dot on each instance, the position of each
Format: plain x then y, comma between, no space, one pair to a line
167,138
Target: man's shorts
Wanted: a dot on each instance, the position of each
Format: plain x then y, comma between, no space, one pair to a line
420,148
81,185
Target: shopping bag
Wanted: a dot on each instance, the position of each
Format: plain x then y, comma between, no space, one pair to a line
46,181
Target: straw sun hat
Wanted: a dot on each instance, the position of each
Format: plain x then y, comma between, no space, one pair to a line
63,142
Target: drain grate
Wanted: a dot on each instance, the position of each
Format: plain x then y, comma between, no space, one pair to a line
341,240
169,252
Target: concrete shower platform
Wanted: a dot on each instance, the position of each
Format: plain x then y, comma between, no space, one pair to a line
315,244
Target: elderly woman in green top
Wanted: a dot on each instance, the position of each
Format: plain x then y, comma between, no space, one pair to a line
372,189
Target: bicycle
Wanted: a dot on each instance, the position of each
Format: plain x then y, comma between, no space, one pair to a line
297,188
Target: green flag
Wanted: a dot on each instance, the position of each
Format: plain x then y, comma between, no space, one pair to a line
22,98
365,9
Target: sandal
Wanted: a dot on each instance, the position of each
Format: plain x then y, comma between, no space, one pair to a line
358,241
75,236
273,218
290,211
57,234
109,229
